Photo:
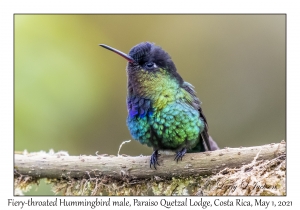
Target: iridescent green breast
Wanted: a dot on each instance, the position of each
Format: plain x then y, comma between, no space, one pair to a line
175,126
171,122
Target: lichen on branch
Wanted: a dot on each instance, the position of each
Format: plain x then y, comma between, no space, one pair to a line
256,170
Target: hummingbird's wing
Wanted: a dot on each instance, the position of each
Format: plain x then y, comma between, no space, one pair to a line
195,102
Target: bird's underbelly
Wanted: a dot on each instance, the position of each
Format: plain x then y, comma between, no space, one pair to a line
175,126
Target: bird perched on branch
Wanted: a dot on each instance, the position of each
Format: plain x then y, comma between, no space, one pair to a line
163,110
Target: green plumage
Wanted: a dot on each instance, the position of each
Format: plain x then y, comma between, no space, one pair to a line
173,122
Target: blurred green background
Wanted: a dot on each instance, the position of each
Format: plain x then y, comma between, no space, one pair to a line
70,94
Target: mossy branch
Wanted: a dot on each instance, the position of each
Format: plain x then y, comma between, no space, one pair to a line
104,171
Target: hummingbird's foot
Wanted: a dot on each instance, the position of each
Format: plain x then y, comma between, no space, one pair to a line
180,154
154,159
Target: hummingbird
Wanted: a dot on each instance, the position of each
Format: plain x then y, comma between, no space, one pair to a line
163,110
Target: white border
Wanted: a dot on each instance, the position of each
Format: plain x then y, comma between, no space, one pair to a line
8,8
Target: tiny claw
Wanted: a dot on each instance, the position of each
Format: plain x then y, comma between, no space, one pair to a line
154,159
180,154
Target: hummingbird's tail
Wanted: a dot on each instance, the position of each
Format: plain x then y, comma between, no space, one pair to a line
204,140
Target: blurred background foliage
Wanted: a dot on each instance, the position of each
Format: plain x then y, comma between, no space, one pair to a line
70,94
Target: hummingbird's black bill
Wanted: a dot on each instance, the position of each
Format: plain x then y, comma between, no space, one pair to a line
124,55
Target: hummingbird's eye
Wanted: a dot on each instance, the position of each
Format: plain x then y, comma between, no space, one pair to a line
150,65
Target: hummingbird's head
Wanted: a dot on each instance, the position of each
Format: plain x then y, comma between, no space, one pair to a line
150,57
151,71
146,56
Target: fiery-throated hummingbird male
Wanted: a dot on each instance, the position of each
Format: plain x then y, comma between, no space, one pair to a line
163,110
